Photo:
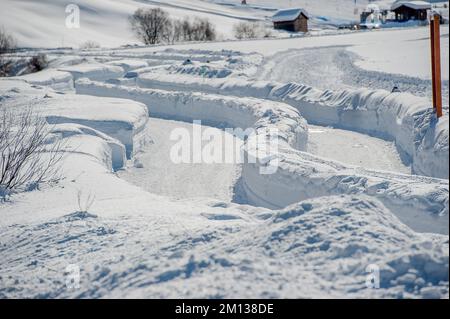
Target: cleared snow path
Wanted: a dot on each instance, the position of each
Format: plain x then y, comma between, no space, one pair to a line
335,68
355,149
158,174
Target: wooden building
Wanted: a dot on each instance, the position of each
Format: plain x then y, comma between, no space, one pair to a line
411,10
293,20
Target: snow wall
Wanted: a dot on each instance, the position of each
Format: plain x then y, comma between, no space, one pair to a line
406,119
420,202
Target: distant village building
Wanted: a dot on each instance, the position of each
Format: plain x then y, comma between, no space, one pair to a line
411,10
293,20
372,17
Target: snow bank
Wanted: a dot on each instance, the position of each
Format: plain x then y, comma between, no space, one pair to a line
129,64
123,120
217,110
84,139
57,80
94,71
402,117
421,202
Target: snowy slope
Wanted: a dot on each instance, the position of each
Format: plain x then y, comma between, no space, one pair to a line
42,23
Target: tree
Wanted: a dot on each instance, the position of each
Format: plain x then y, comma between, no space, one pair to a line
203,30
7,45
7,42
251,30
154,26
151,25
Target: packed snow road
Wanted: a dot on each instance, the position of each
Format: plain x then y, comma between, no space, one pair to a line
337,68
155,171
355,149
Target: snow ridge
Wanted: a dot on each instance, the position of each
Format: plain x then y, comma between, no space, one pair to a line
402,117
421,202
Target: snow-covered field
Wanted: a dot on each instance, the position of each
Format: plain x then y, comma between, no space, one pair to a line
358,184
106,22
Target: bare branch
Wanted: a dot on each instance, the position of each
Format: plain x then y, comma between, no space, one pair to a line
28,155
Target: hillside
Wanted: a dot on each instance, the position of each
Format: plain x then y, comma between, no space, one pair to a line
42,24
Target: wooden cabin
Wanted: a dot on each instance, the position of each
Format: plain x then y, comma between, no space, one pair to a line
293,20
411,10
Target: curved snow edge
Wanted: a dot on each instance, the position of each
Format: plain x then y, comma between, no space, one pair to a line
420,202
402,117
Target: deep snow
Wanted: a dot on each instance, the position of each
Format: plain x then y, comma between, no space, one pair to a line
310,229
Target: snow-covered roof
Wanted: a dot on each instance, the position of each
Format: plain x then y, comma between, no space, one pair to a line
412,4
289,14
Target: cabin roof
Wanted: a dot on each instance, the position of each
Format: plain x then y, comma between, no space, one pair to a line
286,15
416,5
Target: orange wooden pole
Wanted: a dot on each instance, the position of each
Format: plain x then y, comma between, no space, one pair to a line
436,65
433,62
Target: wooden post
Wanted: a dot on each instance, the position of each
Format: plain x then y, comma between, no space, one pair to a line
436,64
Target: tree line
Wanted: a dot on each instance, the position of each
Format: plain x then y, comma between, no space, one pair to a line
154,26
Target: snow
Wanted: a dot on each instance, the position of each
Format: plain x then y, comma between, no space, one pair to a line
57,80
388,49
408,53
129,64
106,22
43,24
299,175
95,71
328,142
359,180
172,249
154,171
404,115
411,4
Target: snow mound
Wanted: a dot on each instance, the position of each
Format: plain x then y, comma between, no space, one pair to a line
317,248
124,120
113,156
94,71
57,80
129,64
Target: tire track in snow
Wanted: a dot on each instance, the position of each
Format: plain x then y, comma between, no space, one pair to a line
334,68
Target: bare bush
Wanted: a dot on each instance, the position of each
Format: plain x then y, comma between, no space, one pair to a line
150,25
84,204
89,45
7,42
203,30
7,45
37,63
28,156
251,30
154,26
6,66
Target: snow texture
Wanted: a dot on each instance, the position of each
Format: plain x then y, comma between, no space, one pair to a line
300,175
